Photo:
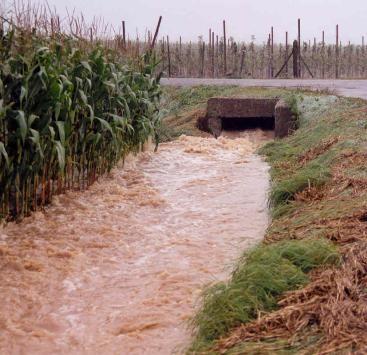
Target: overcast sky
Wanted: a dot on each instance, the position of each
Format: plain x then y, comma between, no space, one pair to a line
191,18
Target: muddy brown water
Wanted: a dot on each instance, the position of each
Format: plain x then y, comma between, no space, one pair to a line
118,269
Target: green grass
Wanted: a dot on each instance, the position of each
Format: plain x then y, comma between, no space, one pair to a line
262,275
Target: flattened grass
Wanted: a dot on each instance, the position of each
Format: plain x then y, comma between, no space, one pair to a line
262,275
314,174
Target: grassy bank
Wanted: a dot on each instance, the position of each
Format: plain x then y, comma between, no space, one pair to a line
262,275
273,303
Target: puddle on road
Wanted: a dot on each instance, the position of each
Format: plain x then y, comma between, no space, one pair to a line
118,269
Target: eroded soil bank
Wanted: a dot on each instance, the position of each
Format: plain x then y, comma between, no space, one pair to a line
118,269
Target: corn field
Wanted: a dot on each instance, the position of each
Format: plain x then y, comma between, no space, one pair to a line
69,111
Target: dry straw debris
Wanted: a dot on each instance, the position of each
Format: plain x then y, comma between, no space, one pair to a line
335,301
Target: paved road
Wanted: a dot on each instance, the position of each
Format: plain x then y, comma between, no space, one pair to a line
351,88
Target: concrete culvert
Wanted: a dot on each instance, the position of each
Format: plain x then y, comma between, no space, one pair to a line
247,113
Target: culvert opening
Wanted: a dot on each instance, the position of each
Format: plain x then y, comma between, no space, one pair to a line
235,114
247,123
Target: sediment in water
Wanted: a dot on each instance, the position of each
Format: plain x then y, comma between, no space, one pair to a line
121,265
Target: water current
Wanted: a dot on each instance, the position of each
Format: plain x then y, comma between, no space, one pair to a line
118,269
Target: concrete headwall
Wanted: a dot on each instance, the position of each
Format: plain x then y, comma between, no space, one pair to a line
220,108
285,122
240,107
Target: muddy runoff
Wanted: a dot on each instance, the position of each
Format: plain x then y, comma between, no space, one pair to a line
118,269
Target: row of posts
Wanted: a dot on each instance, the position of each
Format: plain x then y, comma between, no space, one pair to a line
296,54
214,45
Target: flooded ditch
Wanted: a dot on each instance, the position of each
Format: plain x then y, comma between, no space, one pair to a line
118,269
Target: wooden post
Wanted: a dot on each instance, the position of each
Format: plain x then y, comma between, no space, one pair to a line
156,33
314,62
363,57
298,57
224,48
210,52
123,35
350,68
286,54
213,53
217,54
295,59
180,58
169,57
163,51
189,61
243,53
323,56
203,60
337,53
272,54
269,56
